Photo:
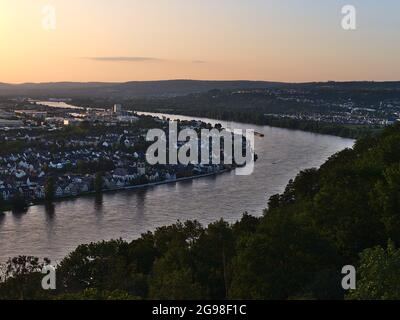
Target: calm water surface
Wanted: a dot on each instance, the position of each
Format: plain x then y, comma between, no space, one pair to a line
54,231
59,104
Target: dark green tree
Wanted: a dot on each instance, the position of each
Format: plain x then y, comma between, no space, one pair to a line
22,278
49,189
378,276
98,182
19,202
2,203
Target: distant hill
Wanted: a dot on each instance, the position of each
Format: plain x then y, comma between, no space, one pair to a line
168,88
127,89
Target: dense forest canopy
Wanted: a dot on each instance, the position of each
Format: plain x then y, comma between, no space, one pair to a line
344,213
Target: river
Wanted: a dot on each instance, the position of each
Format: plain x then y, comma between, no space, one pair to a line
55,231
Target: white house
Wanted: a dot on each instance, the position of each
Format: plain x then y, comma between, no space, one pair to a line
59,192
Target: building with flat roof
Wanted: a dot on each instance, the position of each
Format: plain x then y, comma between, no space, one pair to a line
117,108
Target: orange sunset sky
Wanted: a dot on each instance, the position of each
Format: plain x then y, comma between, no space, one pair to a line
122,40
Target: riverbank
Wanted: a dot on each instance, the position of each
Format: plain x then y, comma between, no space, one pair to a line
141,186
343,130
350,131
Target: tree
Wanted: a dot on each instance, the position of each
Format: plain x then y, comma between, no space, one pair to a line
18,202
212,255
173,285
22,278
1,203
98,182
49,189
95,294
386,201
173,278
82,166
378,276
280,260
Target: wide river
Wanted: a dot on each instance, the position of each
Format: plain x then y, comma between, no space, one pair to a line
54,232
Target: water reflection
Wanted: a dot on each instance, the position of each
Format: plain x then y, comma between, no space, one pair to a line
2,218
140,202
50,210
19,212
98,202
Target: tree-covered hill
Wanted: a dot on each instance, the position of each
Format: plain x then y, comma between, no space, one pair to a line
345,213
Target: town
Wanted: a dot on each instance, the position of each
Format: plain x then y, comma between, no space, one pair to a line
52,150
364,104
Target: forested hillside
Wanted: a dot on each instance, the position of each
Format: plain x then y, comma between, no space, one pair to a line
345,213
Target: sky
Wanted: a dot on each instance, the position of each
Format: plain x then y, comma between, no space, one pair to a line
125,40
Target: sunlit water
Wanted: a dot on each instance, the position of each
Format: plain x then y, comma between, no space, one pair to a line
58,104
54,232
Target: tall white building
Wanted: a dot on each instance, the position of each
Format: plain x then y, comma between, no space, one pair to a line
117,108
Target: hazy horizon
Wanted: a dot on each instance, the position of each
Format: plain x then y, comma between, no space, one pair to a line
121,41
211,80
